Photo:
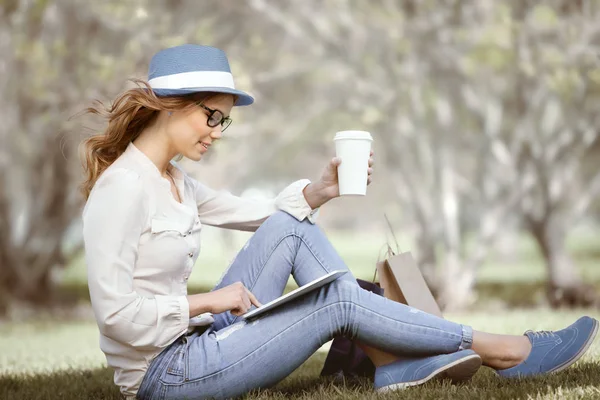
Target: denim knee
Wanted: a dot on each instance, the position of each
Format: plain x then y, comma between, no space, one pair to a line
281,220
285,223
344,299
282,216
346,290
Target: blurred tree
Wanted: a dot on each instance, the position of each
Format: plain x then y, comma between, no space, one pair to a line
465,95
56,57
484,111
397,68
554,103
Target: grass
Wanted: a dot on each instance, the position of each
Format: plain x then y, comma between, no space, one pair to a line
50,358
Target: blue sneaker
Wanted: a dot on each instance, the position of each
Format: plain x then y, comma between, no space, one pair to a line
555,351
401,374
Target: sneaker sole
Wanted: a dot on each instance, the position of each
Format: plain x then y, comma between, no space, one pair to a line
581,352
459,371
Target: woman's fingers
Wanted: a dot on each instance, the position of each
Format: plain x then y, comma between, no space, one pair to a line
247,299
243,303
253,299
246,302
370,171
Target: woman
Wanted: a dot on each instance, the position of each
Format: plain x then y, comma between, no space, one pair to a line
142,224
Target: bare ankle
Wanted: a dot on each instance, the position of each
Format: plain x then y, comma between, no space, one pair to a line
501,351
513,351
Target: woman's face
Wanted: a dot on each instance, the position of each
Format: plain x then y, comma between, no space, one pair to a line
189,132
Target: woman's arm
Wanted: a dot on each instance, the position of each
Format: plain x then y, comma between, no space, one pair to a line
113,221
222,209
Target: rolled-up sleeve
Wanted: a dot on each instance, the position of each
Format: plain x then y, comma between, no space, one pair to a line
113,221
223,209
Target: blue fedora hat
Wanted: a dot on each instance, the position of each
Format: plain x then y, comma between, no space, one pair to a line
191,68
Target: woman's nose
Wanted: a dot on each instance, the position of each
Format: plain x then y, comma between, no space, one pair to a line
216,132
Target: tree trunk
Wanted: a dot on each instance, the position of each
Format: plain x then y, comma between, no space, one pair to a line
457,290
565,286
27,264
28,278
6,281
38,289
426,259
7,276
458,280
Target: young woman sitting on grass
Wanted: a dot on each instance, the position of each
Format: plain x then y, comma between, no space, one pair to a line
142,224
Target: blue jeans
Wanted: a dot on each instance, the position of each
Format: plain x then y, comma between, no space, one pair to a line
234,356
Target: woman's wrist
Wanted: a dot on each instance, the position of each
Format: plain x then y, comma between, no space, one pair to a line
199,304
316,194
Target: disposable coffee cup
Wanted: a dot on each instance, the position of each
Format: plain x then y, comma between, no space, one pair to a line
354,148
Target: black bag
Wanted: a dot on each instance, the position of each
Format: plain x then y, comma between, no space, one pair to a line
345,359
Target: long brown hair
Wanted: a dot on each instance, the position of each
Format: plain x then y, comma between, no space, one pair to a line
127,116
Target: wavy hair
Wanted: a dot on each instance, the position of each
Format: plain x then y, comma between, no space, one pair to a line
127,116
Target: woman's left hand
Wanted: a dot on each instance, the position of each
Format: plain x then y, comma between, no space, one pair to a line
329,179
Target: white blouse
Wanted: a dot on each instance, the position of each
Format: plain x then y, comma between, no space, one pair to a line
141,246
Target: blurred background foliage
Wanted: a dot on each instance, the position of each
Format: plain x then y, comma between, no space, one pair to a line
484,113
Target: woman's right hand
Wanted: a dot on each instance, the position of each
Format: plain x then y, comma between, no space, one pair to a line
235,298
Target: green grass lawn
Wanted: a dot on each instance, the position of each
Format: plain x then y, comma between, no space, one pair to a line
50,358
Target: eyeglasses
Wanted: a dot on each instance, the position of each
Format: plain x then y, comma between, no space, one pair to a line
216,117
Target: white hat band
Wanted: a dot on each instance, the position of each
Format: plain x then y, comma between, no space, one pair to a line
194,79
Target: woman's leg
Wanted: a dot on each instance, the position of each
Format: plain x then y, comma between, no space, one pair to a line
284,246
265,272
281,247
257,354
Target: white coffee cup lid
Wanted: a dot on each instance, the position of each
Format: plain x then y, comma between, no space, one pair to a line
359,135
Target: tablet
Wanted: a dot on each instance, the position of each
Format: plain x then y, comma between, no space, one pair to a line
317,283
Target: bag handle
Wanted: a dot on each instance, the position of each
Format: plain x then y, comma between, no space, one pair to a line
393,234
390,251
379,258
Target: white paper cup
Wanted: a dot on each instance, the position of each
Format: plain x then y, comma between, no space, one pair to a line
354,148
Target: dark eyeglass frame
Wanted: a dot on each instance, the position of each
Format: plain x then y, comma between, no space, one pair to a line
224,121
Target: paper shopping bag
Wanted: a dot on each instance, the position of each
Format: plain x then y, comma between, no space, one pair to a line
402,281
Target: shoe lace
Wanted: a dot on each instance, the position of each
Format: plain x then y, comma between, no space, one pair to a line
541,334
